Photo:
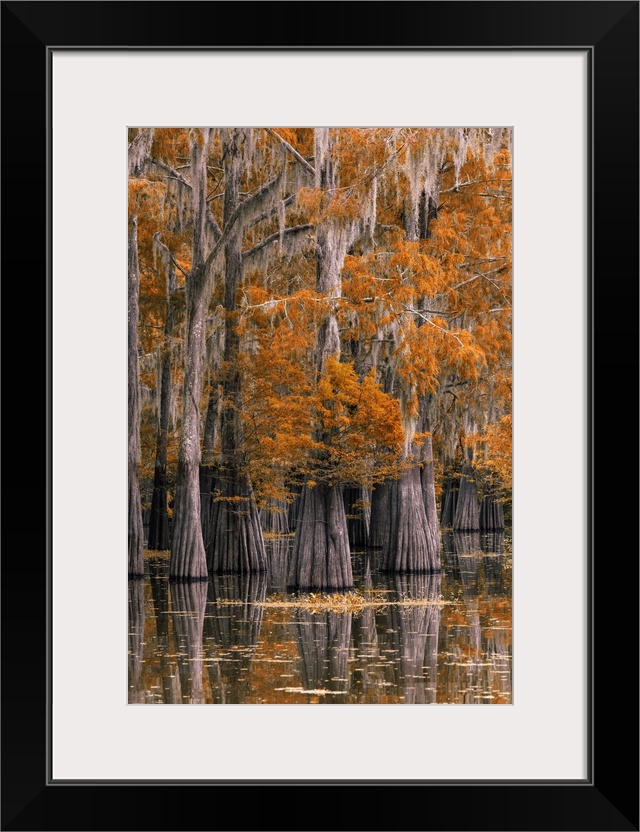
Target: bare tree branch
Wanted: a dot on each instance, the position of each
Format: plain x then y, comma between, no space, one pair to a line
295,229
174,174
292,151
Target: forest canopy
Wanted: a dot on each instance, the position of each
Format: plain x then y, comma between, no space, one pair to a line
319,344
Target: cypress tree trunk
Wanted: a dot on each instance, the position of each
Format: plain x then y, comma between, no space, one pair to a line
318,560
135,528
427,478
467,516
207,469
357,506
413,541
188,559
491,513
449,502
410,546
236,544
321,557
211,438
159,519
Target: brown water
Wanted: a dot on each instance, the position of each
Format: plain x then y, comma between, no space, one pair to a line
405,639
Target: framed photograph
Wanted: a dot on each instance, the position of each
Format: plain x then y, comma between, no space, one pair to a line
435,111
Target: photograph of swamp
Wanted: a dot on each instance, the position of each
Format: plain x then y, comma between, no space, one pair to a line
319,420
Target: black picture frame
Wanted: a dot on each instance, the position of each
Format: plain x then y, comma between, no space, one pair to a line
608,798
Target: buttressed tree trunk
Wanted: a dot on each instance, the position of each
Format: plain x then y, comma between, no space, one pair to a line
159,520
236,544
427,477
491,513
411,539
467,516
321,559
413,542
188,559
136,533
211,433
410,546
449,501
428,488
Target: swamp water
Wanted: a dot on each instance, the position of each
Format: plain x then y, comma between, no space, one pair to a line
419,639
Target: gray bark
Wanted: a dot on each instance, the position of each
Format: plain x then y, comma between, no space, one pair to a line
135,527
491,513
236,544
321,557
404,520
320,560
211,437
411,545
427,478
159,519
449,501
467,517
188,559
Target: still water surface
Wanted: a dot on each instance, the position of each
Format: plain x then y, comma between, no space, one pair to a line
402,639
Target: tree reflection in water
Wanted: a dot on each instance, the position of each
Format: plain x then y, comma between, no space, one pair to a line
188,601
171,693
137,693
239,639
232,627
278,549
408,635
323,640
476,651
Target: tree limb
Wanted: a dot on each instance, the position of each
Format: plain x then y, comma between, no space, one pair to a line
174,174
264,215
295,229
292,151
